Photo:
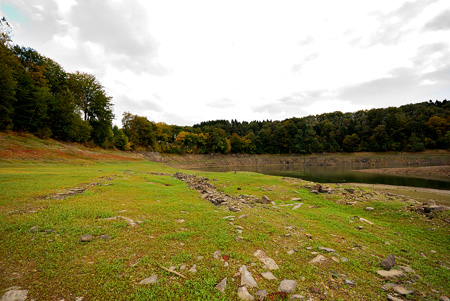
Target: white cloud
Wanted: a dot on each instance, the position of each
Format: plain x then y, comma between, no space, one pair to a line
190,61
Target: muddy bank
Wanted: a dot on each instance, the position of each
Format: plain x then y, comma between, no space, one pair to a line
361,160
440,171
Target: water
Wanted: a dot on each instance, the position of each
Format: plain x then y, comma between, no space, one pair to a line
332,174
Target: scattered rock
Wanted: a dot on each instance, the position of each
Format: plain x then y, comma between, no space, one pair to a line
105,237
268,275
315,290
287,286
388,262
129,221
366,221
329,250
290,252
297,206
86,238
217,254
392,298
349,282
246,277
261,294
319,259
444,298
265,200
150,280
34,229
244,294
344,259
388,286
401,290
296,199
391,273
193,269
269,262
296,297
335,259
407,269
222,285
370,209
15,294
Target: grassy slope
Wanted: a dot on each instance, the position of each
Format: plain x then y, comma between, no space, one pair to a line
55,265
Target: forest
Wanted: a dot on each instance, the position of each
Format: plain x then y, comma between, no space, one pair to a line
38,96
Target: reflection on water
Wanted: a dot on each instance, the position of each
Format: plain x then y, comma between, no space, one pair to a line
333,174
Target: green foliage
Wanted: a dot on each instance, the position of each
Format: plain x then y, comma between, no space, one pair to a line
140,130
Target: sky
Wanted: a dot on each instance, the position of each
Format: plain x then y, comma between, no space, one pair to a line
183,62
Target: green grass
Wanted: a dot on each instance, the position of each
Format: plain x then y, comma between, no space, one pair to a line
53,264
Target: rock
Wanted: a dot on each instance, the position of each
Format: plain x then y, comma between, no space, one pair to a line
297,206
246,277
261,294
150,280
388,286
296,199
296,297
314,191
265,200
349,282
15,294
243,293
105,237
444,298
392,298
290,252
183,267
34,229
349,190
366,221
388,262
268,275
269,262
287,286
314,290
370,209
222,285
344,259
401,290
217,254
319,259
329,250
193,269
86,238
391,273
407,269
335,259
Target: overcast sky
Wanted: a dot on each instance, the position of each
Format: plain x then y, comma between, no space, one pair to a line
183,62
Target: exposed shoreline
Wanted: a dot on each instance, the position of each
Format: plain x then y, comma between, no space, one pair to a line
441,171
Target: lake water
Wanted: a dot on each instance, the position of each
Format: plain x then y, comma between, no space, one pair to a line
332,174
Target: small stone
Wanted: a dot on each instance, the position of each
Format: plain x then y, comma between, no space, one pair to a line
199,258
401,290
392,298
244,294
370,209
105,237
335,259
391,273
360,227
387,243
180,220
246,277
15,294
297,206
319,259
150,280
265,200
314,290
287,286
407,269
34,229
226,264
290,252
261,294
329,250
388,262
344,259
193,269
388,286
268,275
349,282
444,298
217,254
268,262
86,238
296,297
222,285
183,267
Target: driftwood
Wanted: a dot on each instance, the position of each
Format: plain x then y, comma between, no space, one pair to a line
172,271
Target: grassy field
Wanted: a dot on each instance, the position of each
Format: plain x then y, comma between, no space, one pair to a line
176,228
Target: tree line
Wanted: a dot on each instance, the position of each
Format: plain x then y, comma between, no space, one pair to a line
38,96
